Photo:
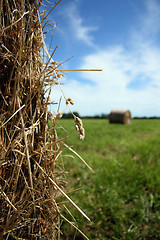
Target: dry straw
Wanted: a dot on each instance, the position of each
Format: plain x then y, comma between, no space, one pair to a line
31,169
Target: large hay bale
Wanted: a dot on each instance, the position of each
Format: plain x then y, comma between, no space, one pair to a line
29,154
120,116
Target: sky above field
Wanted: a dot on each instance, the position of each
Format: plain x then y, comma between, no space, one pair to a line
121,37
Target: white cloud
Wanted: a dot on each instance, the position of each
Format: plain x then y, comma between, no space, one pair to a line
120,67
109,89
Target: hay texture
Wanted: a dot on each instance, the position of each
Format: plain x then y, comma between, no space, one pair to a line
120,116
30,167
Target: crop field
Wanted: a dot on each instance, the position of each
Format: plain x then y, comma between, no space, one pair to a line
122,197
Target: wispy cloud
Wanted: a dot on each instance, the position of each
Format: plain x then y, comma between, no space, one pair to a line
150,22
79,29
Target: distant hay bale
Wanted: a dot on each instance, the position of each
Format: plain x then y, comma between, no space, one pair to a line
120,116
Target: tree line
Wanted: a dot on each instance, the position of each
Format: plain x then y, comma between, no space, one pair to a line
69,116
100,116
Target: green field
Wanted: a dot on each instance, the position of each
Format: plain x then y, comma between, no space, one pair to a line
122,197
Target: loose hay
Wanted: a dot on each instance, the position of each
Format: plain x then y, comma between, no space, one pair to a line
31,171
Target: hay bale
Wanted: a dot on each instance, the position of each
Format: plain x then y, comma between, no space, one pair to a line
120,116
29,153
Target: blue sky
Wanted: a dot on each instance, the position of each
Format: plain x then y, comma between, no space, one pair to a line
121,37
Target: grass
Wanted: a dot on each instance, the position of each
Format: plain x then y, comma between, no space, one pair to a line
122,197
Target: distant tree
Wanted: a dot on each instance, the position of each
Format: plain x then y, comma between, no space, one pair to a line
76,114
104,116
70,116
